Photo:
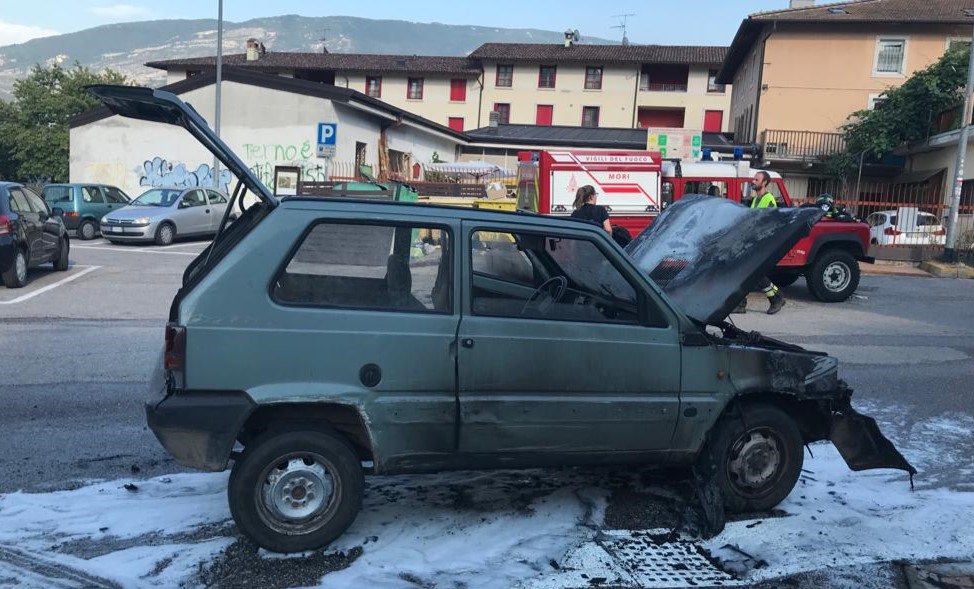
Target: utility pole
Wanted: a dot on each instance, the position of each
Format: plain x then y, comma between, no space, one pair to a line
219,84
950,253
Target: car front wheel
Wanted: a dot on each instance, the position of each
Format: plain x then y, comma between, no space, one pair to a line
295,490
834,276
165,234
756,458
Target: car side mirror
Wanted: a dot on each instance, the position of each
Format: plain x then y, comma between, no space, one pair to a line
57,211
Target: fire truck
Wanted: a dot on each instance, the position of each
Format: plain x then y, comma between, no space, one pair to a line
636,186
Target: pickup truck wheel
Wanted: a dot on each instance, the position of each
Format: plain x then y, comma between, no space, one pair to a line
295,490
756,458
834,276
784,279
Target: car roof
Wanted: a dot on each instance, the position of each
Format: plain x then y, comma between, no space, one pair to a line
440,211
8,184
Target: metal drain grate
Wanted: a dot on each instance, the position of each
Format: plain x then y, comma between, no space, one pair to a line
657,563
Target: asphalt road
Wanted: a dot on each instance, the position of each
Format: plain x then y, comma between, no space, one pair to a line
77,348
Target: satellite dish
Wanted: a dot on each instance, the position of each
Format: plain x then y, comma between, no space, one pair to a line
575,36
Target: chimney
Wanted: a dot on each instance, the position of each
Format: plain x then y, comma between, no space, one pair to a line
802,3
255,49
494,119
571,37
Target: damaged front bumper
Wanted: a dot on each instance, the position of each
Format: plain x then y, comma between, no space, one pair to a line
861,444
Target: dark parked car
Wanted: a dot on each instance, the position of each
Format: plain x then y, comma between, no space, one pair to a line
84,205
324,333
31,234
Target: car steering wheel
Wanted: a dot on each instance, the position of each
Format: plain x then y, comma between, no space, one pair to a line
560,284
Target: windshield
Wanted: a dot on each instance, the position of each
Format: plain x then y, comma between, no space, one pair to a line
158,197
57,194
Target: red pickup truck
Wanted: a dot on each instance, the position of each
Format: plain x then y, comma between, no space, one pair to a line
637,185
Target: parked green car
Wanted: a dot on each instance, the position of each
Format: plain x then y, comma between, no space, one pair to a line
327,337
84,205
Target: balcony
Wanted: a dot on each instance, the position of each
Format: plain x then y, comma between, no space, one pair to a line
807,146
664,78
662,87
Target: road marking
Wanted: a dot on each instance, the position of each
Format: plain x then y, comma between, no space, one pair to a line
131,251
31,295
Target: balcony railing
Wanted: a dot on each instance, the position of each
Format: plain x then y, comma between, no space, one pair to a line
801,145
657,87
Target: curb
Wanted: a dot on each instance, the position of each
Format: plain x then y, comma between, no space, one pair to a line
942,270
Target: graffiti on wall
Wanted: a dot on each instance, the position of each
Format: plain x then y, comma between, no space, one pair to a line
264,157
159,172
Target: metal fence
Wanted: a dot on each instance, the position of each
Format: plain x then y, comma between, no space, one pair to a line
801,145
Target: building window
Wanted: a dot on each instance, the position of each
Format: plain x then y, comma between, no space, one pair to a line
547,75
590,116
373,86
593,78
414,89
958,42
544,115
890,56
456,123
458,90
712,85
504,110
505,76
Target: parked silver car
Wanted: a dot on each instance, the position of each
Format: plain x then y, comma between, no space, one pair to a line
163,214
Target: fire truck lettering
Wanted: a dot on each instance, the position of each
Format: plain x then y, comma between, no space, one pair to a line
618,176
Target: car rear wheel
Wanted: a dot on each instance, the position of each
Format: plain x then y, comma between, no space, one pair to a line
87,230
834,276
16,275
756,458
61,261
295,490
165,234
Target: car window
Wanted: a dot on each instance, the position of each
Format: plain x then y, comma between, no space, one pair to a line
92,194
893,220
56,194
927,220
36,203
550,277
747,193
18,202
382,267
115,196
710,188
876,219
666,194
157,197
216,198
195,198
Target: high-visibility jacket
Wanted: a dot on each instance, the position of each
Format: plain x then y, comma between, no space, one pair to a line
764,201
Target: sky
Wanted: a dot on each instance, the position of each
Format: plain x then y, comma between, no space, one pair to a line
692,22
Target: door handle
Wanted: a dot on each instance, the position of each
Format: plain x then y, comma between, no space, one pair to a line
467,343
207,211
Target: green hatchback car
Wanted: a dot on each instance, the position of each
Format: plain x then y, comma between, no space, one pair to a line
84,205
320,339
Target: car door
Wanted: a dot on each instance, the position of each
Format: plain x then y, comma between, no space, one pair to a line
114,198
362,312
218,207
192,215
30,223
50,224
562,348
93,202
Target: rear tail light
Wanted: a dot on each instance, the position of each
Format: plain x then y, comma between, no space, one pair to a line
892,231
175,357
6,225
70,214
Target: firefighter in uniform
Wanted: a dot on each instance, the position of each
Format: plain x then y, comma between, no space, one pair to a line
764,199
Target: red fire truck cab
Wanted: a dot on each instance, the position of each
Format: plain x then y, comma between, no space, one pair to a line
636,186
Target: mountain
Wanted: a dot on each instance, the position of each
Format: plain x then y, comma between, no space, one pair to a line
126,47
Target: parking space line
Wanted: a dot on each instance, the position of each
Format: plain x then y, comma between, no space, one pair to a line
131,251
31,295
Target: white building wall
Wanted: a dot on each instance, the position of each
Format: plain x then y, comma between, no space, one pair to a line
266,128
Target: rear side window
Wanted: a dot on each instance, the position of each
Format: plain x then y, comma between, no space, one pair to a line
383,267
56,194
18,202
92,194
216,198
36,203
924,220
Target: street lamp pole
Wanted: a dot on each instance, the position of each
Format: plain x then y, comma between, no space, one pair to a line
950,253
219,83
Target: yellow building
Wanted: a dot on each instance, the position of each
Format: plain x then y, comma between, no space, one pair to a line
799,73
566,84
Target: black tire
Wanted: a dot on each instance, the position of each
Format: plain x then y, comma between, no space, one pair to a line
16,275
834,276
784,279
165,234
61,261
762,435
87,230
256,514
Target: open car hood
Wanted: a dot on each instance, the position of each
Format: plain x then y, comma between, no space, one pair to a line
158,106
707,253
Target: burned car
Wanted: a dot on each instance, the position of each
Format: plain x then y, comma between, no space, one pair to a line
317,339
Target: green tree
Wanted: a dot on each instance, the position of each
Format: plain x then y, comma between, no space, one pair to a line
907,113
34,128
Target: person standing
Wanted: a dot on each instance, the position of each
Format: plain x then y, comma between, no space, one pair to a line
586,208
764,199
